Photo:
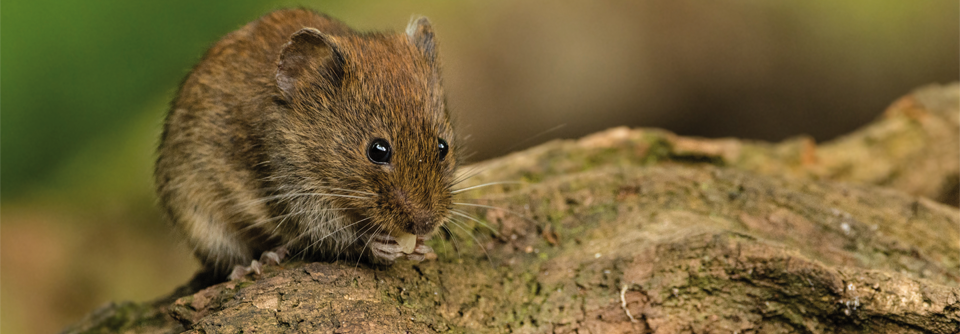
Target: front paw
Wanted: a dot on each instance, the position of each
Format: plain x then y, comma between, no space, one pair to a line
387,249
421,251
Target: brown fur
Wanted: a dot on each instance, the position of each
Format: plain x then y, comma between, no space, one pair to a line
274,115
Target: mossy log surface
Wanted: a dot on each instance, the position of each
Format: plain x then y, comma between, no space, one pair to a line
648,232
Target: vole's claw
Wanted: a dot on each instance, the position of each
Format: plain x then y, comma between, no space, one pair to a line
270,258
241,271
256,267
415,257
238,272
274,256
422,251
385,248
267,258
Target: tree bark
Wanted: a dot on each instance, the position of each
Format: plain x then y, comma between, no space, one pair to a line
648,232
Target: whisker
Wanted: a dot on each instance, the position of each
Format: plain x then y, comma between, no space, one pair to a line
365,244
308,234
304,211
484,249
351,191
483,185
465,215
284,217
292,195
356,238
321,239
342,228
277,188
241,206
443,242
477,169
475,199
275,228
468,173
453,239
467,156
497,208
311,183
558,127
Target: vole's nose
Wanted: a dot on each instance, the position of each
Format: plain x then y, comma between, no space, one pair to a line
420,220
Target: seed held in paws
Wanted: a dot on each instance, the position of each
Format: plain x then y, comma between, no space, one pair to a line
407,242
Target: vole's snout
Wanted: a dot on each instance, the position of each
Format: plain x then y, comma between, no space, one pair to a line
421,223
415,217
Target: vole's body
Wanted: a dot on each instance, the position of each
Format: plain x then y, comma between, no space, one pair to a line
266,145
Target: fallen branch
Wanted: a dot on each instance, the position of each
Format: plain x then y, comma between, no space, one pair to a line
645,231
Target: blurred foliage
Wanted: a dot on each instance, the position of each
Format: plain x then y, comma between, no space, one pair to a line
84,88
74,70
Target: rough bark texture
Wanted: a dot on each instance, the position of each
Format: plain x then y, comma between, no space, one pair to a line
644,231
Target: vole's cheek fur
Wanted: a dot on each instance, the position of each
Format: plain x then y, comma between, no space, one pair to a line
266,144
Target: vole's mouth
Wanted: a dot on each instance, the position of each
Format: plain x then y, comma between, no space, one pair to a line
386,248
407,241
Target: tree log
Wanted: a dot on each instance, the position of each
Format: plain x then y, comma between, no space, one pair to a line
645,231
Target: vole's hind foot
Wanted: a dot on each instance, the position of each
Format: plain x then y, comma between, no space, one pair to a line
274,257
267,258
240,271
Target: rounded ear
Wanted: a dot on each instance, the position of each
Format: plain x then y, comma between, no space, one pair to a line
309,55
421,34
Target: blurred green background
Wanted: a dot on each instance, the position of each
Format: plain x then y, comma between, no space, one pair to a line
84,87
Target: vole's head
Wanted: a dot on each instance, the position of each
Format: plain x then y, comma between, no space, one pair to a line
363,121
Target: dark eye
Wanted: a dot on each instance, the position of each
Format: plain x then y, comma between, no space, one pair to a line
443,149
379,152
